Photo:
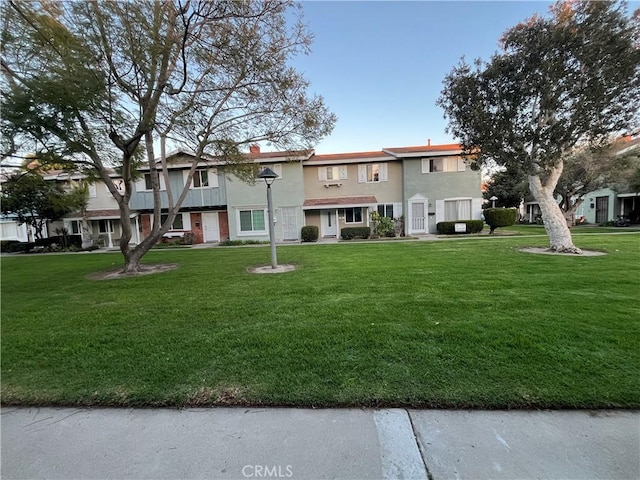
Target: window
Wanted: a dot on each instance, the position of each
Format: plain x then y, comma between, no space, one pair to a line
105,226
252,221
75,227
93,191
372,173
457,210
144,183
326,174
200,179
147,182
177,222
276,168
445,164
385,210
353,215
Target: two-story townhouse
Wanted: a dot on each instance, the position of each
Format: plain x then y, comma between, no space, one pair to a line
425,184
204,209
247,202
438,185
342,189
100,221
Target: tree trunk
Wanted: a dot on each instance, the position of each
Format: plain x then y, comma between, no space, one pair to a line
554,221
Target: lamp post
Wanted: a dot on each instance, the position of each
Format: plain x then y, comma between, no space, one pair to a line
269,177
493,201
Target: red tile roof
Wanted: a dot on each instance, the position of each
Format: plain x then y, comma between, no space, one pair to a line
318,202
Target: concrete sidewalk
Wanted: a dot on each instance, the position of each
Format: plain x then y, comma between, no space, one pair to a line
240,443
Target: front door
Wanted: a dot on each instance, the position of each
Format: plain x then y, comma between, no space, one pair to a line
418,218
602,209
329,223
289,223
210,230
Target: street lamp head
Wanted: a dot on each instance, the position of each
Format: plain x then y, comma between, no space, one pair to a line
493,199
268,175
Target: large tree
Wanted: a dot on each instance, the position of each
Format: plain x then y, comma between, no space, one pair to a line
561,81
106,83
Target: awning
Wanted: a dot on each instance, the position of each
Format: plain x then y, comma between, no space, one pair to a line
109,214
339,202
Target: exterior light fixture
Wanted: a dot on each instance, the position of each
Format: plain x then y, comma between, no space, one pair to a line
269,177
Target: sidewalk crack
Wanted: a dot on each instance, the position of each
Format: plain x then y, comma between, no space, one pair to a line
419,444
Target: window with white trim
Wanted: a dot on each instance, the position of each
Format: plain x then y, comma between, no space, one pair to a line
444,164
105,226
372,173
177,222
353,215
275,168
385,210
92,190
143,184
200,179
74,227
457,210
333,173
252,221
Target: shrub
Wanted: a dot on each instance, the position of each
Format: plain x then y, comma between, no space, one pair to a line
382,226
349,233
310,233
60,240
500,217
189,238
449,228
9,246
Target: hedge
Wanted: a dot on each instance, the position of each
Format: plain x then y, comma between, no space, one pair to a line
310,233
499,217
349,233
449,228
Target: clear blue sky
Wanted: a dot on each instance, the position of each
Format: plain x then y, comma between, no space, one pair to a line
379,65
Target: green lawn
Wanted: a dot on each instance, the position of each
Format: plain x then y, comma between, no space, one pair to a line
471,323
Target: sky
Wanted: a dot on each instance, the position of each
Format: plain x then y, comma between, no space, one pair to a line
380,64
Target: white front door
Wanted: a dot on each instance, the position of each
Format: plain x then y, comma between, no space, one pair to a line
417,216
289,222
210,230
329,223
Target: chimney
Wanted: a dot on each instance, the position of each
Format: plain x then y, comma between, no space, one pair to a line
254,149
428,142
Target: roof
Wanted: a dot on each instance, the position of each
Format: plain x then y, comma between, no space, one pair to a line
424,148
348,156
339,201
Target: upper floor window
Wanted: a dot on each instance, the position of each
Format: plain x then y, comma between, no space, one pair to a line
200,179
275,168
372,173
338,172
144,183
446,164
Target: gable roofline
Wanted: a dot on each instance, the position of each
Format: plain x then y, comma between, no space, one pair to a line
424,150
353,157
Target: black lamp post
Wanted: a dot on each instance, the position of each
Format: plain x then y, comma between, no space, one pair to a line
269,177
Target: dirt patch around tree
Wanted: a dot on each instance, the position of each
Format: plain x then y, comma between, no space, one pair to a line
547,251
147,269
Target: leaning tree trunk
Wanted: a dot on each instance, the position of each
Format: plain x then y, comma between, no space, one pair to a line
554,221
